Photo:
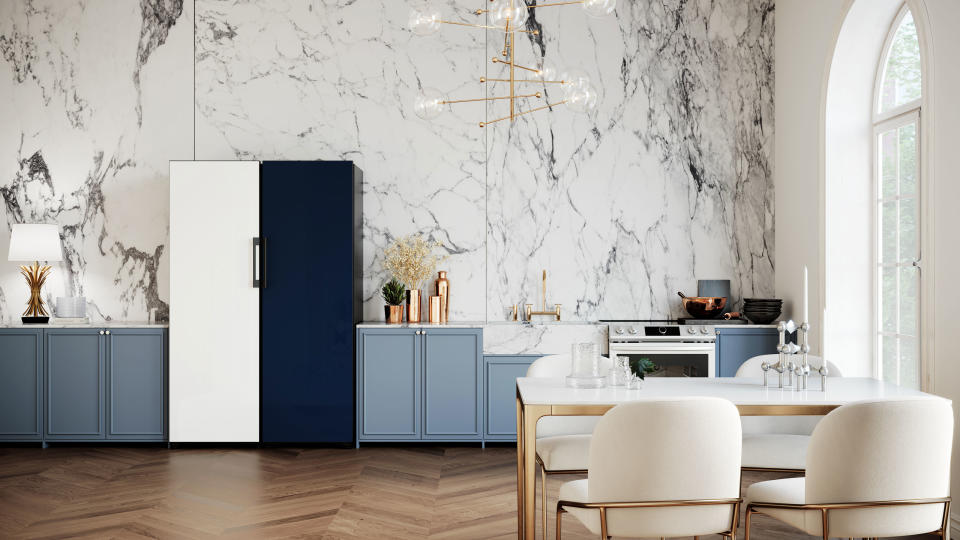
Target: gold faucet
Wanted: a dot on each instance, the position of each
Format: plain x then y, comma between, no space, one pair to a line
543,310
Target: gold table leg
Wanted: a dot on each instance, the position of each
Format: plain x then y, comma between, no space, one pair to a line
519,467
527,418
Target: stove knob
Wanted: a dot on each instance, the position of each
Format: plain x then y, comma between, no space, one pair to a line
619,329
691,330
633,330
703,330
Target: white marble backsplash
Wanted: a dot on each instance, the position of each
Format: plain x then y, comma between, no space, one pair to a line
541,338
668,181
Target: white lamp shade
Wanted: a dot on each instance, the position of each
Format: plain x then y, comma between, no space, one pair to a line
35,242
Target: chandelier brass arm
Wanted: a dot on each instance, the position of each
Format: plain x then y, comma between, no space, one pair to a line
488,27
513,116
511,64
536,95
538,81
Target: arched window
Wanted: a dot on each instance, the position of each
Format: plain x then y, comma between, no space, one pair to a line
897,181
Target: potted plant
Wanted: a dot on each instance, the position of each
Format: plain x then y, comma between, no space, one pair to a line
641,366
412,261
393,294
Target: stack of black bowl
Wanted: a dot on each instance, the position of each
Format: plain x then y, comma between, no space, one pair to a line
762,310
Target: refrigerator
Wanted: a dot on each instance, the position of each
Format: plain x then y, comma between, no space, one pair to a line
265,292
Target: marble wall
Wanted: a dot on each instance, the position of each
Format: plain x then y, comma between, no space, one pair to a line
95,98
669,180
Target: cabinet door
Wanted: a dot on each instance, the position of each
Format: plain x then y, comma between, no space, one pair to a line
737,345
307,367
389,384
136,391
214,305
75,384
501,395
452,366
21,379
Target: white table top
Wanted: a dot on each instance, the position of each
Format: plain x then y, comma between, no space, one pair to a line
740,391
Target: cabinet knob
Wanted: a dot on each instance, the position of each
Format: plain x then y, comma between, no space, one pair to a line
101,332
108,332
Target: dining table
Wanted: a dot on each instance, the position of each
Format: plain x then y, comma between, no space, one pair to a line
540,397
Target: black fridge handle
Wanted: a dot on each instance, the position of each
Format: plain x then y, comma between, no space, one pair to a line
259,262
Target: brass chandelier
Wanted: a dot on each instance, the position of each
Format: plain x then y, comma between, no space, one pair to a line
509,17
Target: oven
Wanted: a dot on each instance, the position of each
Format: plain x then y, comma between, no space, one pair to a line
674,349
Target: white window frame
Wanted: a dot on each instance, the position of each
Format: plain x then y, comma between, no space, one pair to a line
902,115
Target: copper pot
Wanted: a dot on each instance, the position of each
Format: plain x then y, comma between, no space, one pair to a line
393,314
703,307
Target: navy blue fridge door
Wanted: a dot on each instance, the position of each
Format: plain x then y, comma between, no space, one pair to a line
310,225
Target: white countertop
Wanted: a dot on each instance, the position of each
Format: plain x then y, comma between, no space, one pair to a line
453,324
101,324
739,390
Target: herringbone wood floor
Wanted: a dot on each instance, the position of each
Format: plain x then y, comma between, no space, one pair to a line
412,492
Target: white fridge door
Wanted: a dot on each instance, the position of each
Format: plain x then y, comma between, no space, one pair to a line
214,307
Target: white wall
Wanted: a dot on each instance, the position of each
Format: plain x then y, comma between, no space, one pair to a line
804,37
944,18
806,33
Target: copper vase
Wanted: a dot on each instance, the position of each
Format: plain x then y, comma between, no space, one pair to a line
434,310
443,291
413,306
393,314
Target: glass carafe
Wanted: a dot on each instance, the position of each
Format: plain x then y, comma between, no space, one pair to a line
585,367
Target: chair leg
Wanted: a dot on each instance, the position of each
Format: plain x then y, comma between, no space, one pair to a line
826,526
603,524
560,512
746,524
543,498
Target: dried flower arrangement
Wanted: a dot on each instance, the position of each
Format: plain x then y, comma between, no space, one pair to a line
411,260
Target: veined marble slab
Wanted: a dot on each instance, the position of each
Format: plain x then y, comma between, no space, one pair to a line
541,338
108,324
456,324
97,98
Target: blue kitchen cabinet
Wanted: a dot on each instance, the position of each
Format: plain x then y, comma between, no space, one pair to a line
75,384
737,345
136,392
419,384
388,384
500,394
452,384
21,385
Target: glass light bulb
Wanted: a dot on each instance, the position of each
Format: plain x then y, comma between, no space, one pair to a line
548,71
599,8
429,104
424,21
574,78
583,98
515,10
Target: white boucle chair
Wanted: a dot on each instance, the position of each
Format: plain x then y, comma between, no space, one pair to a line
563,442
778,443
660,468
874,469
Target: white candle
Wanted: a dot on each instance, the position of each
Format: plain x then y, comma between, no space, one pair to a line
806,296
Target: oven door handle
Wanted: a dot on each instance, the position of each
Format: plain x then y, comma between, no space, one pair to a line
650,348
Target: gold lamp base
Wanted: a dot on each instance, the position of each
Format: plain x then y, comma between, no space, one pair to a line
36,276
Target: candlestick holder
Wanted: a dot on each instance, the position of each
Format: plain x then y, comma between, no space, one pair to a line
796,374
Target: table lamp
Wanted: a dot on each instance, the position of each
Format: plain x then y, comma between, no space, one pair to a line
35,242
